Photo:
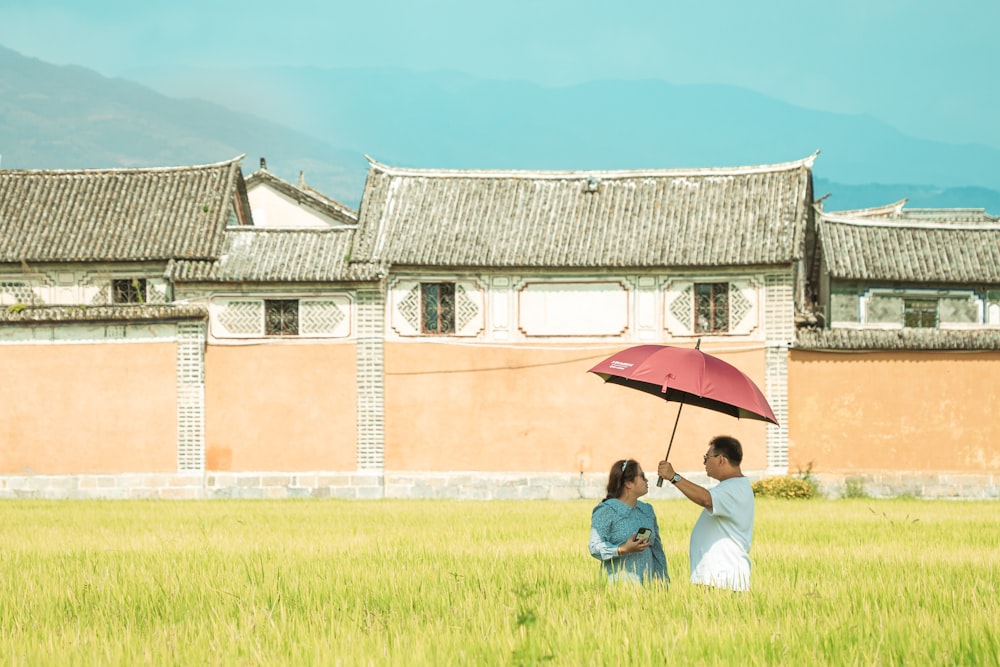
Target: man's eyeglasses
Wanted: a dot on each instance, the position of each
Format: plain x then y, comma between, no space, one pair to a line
709,456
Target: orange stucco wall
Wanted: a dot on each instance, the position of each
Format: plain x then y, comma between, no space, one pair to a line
454,407
281,407
919,411
102,408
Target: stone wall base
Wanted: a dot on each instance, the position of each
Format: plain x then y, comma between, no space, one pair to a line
453,485
968,486
192,486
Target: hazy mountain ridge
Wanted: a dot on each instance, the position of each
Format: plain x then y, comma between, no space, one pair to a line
69,117
58,117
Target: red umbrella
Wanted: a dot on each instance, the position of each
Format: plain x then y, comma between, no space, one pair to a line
686,376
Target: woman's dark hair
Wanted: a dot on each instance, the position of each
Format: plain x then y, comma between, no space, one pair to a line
729,447
623,470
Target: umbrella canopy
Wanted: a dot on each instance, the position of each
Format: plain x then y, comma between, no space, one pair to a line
687,376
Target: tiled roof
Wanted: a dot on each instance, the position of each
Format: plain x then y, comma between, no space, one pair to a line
921,245
897,339
586,219
117,214
122,313
305,194
892,210
254,254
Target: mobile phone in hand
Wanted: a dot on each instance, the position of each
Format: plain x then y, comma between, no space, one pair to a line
643,535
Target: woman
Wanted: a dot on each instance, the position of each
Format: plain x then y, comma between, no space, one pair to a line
615,526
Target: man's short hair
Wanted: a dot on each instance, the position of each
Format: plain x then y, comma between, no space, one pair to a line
729,447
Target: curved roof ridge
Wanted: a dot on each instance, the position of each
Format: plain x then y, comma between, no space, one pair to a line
895,208
903,223
131,170
978,214
542,174
251,229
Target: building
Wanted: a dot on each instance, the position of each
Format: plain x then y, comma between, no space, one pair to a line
103,371
170,343
896,390
504,287
277,203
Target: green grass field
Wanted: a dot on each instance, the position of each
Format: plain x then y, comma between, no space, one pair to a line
846,582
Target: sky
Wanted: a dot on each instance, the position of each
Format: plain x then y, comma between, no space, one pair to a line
926,67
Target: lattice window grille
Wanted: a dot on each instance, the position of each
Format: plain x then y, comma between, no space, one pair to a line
409,307
190,397
370,413
15,292
465,308
243,317
683,306
156,293
320,317
102,297
739,306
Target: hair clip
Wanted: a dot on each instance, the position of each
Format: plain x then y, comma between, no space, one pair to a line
624,464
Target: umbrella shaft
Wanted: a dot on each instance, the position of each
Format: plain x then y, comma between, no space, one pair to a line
659,480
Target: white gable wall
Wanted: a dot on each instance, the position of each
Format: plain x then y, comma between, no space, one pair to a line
274,209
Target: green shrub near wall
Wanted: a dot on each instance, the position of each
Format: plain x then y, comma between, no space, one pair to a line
787,487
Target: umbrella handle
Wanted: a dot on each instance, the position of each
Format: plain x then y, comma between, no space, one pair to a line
659,480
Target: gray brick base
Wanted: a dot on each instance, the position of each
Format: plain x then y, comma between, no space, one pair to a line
452,485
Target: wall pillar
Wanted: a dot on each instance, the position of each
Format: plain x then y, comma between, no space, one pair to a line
779,329
191,397
370,369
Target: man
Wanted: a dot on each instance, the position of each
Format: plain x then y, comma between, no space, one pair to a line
720,541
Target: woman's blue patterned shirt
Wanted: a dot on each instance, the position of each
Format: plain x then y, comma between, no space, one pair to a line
611,523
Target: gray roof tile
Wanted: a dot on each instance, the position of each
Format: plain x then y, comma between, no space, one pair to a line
120,313
897,339
922,245
254,254
117,214
580,219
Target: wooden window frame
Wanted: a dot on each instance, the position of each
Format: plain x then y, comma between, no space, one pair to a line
437,308
281,317
129,290
708,312
917,312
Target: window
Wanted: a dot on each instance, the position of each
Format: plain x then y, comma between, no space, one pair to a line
281,317
711,307
128,290
920,313
437,306
15,292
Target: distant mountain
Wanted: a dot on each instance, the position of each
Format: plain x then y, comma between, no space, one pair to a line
52,117
69,117
451,120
